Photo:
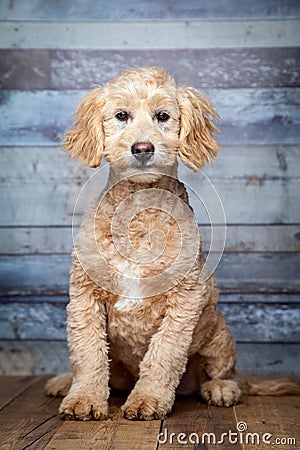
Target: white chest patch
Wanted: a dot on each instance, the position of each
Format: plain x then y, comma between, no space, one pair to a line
130,289
125,304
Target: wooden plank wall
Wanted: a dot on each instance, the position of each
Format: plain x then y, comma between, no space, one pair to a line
245,56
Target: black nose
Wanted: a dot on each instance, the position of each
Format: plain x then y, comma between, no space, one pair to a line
142,151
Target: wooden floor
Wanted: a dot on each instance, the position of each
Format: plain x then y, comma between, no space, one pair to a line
29,420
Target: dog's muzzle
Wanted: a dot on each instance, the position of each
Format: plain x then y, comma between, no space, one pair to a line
142,151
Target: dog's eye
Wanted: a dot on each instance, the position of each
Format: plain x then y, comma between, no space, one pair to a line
162,116
122,116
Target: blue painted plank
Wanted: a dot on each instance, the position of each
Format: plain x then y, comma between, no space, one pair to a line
78,10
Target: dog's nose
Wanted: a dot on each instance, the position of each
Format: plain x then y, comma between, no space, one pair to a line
142,151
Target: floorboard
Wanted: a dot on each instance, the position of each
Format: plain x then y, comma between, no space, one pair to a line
29,420
11,387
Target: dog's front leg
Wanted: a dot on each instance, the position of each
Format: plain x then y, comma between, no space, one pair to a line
164,363
87,398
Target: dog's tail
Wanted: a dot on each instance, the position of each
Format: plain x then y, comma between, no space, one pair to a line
268,386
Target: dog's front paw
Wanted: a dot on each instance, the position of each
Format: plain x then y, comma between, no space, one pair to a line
145,407
83,406
221,392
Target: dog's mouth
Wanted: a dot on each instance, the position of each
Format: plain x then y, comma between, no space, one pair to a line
144,162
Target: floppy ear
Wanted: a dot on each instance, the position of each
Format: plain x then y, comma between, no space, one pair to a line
85,139
197,130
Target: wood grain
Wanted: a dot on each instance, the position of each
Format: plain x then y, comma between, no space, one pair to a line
251,202
152,34
236,273
266,116
46,357
53,357
268,358
11,387
245,57
203,68
277,416
30,69
239,238
255,163
188,416
48,275
257,185
30,419
248,322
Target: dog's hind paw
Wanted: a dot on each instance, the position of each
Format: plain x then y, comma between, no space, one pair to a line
221,392
59,385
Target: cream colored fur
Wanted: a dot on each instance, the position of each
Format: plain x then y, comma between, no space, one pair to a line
126,335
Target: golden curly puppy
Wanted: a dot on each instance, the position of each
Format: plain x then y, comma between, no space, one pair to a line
143,311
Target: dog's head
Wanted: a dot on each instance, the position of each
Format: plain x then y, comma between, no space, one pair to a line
140,122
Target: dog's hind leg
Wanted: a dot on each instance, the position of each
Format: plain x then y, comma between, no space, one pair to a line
220,359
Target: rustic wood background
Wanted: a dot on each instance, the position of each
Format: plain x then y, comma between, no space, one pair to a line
245,56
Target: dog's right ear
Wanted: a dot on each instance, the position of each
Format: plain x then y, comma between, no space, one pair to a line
85,139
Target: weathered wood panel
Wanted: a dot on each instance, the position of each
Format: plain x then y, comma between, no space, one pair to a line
227,298
256,185
26,321
248,322
143,10
272,358
263,323
33,357
36,240
253,201
249,68
248,116
35,275
236,273
255,164
40,357
28,69
256,272
205,68
58,240
151,34
257,238
213,68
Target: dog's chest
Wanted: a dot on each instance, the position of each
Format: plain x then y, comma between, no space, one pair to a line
139,244
132,330
138,251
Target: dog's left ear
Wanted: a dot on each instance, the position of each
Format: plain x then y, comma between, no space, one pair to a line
85,139
197,129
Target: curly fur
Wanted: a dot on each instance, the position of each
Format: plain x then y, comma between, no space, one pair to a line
124,335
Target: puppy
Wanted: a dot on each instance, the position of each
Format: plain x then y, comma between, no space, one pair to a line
143,306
